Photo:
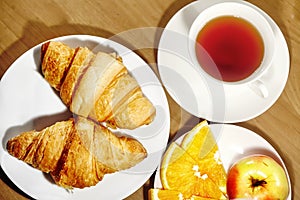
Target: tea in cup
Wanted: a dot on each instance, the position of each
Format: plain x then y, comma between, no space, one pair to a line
233,43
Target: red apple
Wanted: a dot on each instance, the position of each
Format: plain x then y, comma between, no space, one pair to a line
257,177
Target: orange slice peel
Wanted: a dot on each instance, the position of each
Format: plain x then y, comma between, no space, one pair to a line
192,169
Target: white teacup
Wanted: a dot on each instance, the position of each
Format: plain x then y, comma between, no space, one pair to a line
257,20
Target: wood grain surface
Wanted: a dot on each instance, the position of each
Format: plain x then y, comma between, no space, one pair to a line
24,24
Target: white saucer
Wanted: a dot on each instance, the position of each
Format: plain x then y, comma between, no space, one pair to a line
235,143
195,94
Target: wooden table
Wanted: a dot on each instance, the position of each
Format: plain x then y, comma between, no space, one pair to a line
24,24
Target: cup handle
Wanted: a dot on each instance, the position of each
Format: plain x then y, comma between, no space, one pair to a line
259,88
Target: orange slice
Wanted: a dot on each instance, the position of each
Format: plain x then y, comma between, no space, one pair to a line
201,198
161,194
200,144
182,173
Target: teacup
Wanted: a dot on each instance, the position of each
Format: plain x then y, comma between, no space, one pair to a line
232,43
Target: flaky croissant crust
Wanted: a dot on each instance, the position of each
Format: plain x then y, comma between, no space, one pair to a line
77,152
97,86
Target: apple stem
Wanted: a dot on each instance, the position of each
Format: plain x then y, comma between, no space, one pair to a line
255,182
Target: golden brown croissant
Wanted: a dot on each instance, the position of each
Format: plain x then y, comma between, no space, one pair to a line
77,152
96,86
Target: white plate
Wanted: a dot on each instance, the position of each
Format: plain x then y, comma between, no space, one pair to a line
28,102
234,143
218,103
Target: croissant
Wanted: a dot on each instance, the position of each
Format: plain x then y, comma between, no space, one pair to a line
77,152
96,86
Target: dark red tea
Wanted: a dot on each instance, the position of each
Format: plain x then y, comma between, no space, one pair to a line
229,48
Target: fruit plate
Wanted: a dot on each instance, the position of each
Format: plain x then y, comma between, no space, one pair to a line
234,143
28,102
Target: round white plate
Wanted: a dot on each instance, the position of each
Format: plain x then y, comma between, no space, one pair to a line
28,102
196,94
234,143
